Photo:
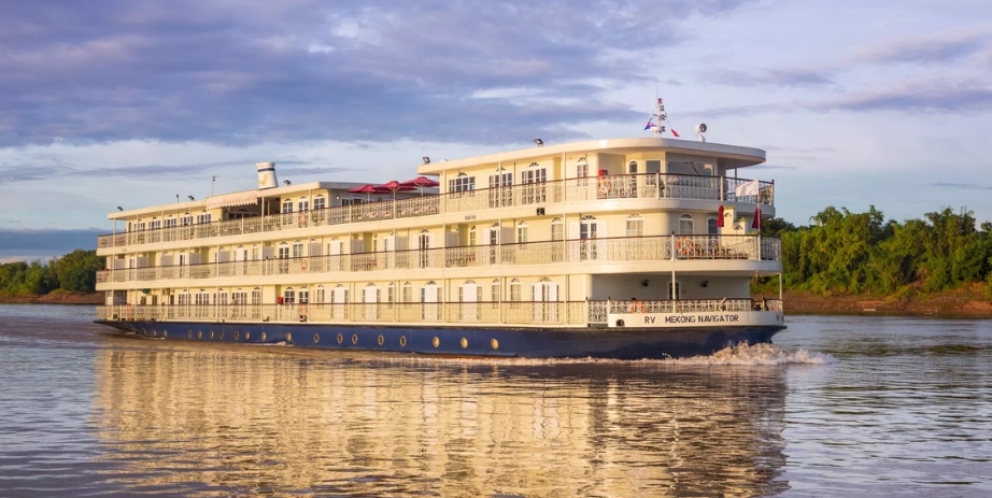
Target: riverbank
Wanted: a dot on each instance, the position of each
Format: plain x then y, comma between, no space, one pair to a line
962,302
57,297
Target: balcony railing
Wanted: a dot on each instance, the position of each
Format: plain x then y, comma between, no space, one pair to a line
614,250
642,186
541,313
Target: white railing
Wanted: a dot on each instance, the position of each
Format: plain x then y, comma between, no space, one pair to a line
539,313
642,186
615,250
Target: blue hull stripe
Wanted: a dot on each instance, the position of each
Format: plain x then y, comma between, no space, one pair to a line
627,343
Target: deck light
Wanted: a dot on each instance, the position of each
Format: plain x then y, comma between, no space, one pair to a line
539,142
427,160
120,208
191,197
287,182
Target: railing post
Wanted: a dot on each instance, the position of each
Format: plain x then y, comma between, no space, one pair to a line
759,244
722,186
672,245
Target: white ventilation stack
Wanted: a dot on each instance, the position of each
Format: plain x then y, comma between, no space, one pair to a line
267,175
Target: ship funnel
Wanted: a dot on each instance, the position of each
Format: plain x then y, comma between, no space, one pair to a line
267,175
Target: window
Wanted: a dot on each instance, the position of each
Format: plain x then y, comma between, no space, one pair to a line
304,295
582,168
514,290
289,296
391,293
304,204
522,232
319,203
320,296
287,206
471,236
635,225
494,291
170,222
535,176
462,183
685,225
711,228
557,229
298,249
256,296
283,250
254,253
203,218
407,292
632,168
155,224
187,219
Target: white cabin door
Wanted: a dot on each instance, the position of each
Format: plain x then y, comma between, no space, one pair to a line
334,251
428,299
469,302
590,230
493,243
240,261
371,306
339,299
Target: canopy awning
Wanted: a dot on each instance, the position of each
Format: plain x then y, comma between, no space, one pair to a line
236,199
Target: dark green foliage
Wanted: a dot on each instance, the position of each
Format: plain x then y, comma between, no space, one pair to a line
841,251
75,271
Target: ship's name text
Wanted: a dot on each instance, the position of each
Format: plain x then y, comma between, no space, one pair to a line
718,318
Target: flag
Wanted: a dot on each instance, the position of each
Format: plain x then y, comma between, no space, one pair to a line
746,189
756,224
675,133
649,125
719,217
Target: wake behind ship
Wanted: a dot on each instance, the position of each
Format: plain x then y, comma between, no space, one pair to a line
621,248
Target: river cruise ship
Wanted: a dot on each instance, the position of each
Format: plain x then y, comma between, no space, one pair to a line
622,248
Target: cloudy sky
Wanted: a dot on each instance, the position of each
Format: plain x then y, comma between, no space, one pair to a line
130,102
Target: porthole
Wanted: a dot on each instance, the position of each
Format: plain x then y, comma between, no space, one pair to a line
436,342
211,335
340,338
263,336
381,340
154,334
199,334
165,333
316,338
494,343
189,333
289,336
247,336
222,335
237,335
143,331
403,340
354,338
464,343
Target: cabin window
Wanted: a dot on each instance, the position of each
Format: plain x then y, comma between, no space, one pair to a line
685,224
522,232
256,296
391,293
635,225
471,236
462,183
287,206
303,295
711,227
514,290
187,219
407,292
320,295
319,203
557,229
494,291
304,205
298,249
582,168
289,296
203,218
632,168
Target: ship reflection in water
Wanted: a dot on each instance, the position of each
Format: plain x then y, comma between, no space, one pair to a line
221,422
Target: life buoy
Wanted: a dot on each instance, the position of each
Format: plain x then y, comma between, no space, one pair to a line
684,246
303,264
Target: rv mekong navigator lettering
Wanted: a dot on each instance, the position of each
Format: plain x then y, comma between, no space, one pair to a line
625,248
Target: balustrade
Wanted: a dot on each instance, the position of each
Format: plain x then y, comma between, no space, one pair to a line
642,186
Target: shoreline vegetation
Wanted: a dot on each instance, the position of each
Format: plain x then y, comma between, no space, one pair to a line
841,263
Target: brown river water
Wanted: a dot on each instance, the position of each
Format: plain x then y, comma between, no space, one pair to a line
839,407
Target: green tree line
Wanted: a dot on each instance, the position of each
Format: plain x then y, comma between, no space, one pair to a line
75,272
845,252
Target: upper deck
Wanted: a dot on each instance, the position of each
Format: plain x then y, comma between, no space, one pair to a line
576,177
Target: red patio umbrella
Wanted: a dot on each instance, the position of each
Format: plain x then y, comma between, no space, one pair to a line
393,186
366,189
420,181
